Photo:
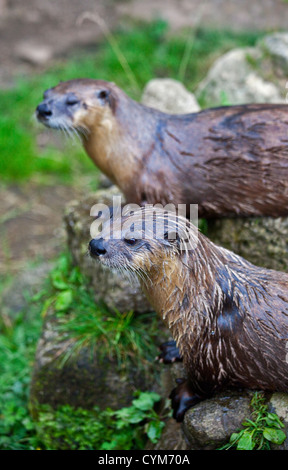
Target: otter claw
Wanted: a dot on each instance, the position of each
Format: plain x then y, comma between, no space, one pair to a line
170,353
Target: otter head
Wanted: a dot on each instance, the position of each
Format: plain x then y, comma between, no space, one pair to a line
77,104
141,243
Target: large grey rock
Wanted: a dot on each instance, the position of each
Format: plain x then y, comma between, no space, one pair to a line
210,424
276,46
109,286
262,241
234,78
169,96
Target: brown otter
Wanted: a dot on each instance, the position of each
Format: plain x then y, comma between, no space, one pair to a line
229,318
230,161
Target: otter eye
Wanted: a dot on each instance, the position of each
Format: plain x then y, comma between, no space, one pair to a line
103,94
130,241
71,100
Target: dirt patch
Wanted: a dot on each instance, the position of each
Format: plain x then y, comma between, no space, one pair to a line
31,225
229,14
34,33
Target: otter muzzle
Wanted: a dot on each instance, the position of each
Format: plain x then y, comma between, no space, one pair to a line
96,247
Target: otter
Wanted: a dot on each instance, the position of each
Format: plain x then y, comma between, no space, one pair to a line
231,161
229,318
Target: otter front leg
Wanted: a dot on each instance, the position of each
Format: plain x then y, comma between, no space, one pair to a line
170,353
183,398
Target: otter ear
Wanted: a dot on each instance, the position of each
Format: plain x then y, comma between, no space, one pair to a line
106,97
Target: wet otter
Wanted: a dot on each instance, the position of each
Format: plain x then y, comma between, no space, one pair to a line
229,318
230,161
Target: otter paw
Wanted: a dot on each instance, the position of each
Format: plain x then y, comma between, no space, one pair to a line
170,353
182,398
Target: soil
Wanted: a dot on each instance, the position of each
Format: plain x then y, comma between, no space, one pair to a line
33,33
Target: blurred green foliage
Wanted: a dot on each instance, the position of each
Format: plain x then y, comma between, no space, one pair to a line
128,428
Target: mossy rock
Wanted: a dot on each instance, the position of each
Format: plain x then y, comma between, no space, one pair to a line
262,241
86,377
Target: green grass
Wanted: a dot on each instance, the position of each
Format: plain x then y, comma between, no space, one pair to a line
150,50
121,336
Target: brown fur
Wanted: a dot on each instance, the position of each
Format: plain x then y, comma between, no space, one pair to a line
228,317
230,161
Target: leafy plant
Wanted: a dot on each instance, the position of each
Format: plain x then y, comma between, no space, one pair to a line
124,429
265,428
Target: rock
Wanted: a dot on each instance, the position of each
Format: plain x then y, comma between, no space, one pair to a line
262,241
235,79
15,297
169,96
35,54
82,379
109,286
210,424
276,46
278,404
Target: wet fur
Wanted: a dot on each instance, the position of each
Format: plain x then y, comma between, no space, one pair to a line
228,317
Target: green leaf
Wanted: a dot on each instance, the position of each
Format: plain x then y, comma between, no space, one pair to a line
130,415
273,420
234,436
154,430
63,300
146,401
274,435
58,281
245,442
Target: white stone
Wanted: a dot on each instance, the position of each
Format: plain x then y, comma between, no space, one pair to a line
169,96
35,54
277,47
233,79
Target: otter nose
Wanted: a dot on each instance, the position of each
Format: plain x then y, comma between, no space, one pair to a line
43,110
96,247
